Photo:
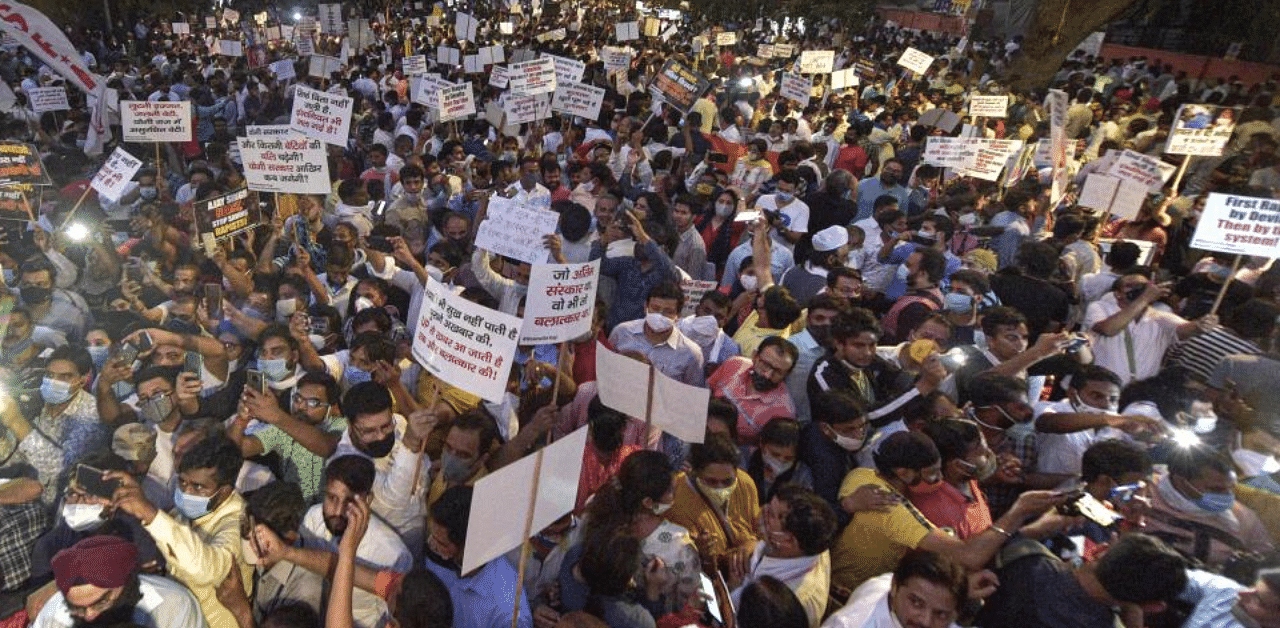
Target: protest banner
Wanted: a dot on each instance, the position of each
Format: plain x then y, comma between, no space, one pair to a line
726,39
560,302
1121,198
329,18
415,65
938,117
464,344
145,121
48,99
531,78
568,70
615,58
817,61
555,35
456,102
321,115
988,106
1057,103
915,60
226,215
114,175
950,152
784,51
1243,225
627,31
210,22
844,79
516,230
797,88
1201,130
278,159
991,157
641,391
20,164
522,109
499,77
678,85
284,69
1140,168
577,99
14,204
693,290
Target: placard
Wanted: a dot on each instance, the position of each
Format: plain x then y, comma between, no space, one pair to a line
1201,130
230,48
427,91
516,230
1244,225
560,302
229,214
915,60
321,115
727,38
576,99
499,77
989,106
456,102
146,121
329,18
20,164
615,58
14,204
415,65
673,403
844,79
464,344
180,28
764,51
114,175
447,55
627,31
1123,198
533,77
278,159
678,85
1140,168
797,88
521,109
817,61
990,158
950,152
283,69
693,290
321,66
784,51
568,70
48,99
464,28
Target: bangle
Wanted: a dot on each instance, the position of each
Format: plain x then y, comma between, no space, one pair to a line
1001,531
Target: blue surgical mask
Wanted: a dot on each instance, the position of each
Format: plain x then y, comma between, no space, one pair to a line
958,302
55,392
1216,502
903,273
148,193
191,506
275,370
783,197
99,354
10,276
352,376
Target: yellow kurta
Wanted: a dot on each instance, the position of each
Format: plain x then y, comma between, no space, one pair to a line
750,335
874,542
200,554
692,512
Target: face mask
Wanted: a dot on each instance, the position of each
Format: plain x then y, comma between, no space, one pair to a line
982,471
1084,408
1216,502
849,444
749,282
363,303
1204,424
10,276
99,354
81,517
35,294
352,376
718,496
191,506
1217,271
659,323
148,193
454,468
285,309
182,327
903,273
55,392
252,312
778,466
662,507
762,383
958,302
1133,293
889,180
783,197
927,236
968,220
156,410
723,210
275,370
249,554
380,448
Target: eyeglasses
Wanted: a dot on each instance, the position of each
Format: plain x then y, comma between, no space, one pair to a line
142,400
97,607
309,402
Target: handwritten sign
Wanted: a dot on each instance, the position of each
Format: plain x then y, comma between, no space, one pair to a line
915,61
796,87
114,175
990,158
817,61
568,70
1201,130
278,159
464,344
522,109
48,99
321,115
560,302
693,290
145,121
229,214
615,58
533,77
456,102
1239,224
989,106
415,65
577,99
499,77
330,18
678,85
950,152
1140,168
516,230
726,39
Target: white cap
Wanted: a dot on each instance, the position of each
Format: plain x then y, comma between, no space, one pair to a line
830,239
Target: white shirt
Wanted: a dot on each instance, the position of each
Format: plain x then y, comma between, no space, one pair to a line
381,548
1150,335
164,604
868,607
809,577
392,485
795,216
1061,453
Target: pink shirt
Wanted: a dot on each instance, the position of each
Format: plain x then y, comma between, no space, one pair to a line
755,409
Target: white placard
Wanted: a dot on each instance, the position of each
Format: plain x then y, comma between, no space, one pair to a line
1140,168
446,55
627,31
989,106
321,66
471,64
796,87
615,58
727,38
112,178
784,51
305,46
506,28
48,99
1098,191
456,102
230,16
764,51
146,121
817,61
230,48
950,152
180,28
465,344
321,115
521,109
915,61
676,409
844,79
283,69
329,18
533,77
1201,130
576,99
568,70
1245,225
464,28
516,230
499,77
560,302
990,158
428,88
278,159
415,65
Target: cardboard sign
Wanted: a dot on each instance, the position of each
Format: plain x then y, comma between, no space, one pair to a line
817,61
1057,103
1143,169
464,344
988,106
568,70
146,121
844,79
456,102
531,78
560,302
516,230
615,58
229,214
1122,197
727,38
323,67
627,31
915,61
284,69
693,290
669,405
278,159
427,90
499,77
114,175
321,115
576,99
1244,225
1201,130
678,85
415,65
446,55
797,88
48,99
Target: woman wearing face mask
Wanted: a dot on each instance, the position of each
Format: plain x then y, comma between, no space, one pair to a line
720,233
720,501
775,463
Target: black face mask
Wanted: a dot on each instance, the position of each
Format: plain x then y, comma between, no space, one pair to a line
35,294
1131,296
762,383
449,564
179,326
380,448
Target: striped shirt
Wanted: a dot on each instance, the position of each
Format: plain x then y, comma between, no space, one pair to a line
1201,353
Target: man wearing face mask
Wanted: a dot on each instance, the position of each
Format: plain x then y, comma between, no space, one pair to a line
67,426
528,190
787,214
957,502
346,479
202,535
830,443
467,448
811,344
830,247
411,205
49,305
656,337
277,510
888,183
756,386
1194,508
278,358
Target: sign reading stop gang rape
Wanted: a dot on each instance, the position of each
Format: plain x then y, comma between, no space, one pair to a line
146,121
20,165
229,214
678,85
561,299
321,115
1239,224
464,343
1201,130
277,159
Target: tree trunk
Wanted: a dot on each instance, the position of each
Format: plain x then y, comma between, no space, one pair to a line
1045,46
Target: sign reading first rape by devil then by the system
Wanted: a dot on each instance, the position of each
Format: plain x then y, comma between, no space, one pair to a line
1244,225
229,214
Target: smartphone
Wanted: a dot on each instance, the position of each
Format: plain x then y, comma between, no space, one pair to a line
1077,342
213,300
144,342
1085,505
300,233
133,270
379,243
90,479
379,209
256,381
194,363
128,354
717,158
319,325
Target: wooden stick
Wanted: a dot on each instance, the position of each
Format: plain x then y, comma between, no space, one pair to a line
71,214
1177,178
417,471
1222,292
524,546
555,388
648,408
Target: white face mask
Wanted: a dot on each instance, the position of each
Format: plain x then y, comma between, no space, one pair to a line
81,517
285,309
662,507
968,220
778,466
848,444
723,210
749,282
657,322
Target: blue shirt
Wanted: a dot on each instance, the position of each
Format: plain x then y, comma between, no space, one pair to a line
484,600
798,379
871,189
780,260
634,282
898,287
1214,597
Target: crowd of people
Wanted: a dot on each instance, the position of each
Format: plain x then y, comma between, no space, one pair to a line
936,400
